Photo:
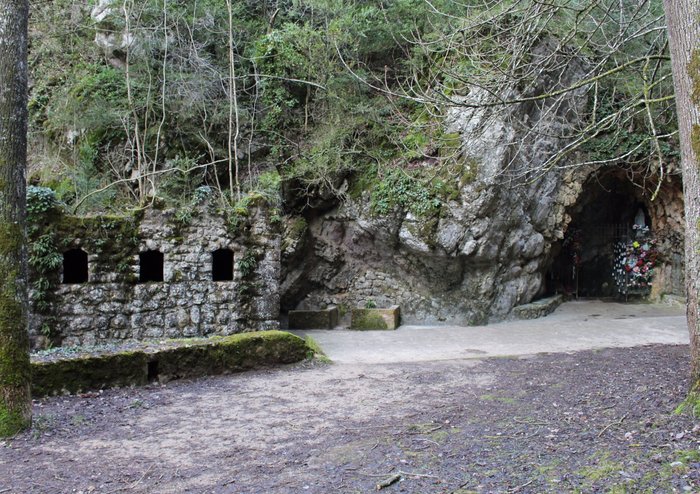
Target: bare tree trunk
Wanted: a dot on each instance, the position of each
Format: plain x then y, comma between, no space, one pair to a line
233,114
683,19
15,403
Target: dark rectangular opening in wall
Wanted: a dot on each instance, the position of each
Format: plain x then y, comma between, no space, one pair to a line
152,371
75,266
222,265
150,266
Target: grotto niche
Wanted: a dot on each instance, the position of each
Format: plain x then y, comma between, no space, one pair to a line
619,242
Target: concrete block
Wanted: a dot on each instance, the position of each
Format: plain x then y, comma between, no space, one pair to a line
314,319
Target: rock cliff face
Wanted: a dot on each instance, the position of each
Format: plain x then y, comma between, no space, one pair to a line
489,250
486,253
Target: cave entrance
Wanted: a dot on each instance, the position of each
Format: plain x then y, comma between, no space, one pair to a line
604,215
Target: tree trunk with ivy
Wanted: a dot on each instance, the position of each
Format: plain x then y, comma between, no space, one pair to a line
15,403
683,20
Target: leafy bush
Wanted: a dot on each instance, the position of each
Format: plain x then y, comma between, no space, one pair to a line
401,189
40,200
248,263
300,104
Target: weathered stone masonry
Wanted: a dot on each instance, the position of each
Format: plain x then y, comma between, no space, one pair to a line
114,305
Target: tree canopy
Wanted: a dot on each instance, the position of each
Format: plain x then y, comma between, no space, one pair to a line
154,99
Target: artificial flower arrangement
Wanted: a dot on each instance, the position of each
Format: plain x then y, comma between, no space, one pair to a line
633,269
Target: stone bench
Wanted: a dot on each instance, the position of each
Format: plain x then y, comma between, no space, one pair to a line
375,318
314,319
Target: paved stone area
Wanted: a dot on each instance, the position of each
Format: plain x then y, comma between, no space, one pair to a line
574,326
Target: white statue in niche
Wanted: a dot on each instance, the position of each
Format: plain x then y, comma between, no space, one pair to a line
639,219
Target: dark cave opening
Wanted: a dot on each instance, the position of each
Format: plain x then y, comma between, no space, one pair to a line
582,263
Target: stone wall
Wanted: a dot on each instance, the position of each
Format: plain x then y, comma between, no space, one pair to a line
114,305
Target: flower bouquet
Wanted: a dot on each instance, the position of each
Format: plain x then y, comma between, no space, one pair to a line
633,269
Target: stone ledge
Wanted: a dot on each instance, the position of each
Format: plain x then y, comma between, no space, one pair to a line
172,359
363,319
314,319
539,308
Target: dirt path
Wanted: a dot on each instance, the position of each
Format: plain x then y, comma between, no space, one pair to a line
582,422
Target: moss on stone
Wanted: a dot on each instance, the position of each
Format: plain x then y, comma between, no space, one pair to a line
294,234
81,374
115,239
315,350
427,230
369,320
363,319
194,357
298,227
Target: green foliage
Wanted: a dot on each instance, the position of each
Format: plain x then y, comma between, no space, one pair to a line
183,183
43,254
45,261
186,212
269,186
293,88
399,189
248,263
691,403
40,200
12,421
301,108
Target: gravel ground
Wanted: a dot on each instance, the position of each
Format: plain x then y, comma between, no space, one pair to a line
592,421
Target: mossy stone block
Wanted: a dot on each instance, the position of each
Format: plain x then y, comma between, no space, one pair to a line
74,375
363,319
539,308
231,354
189,358
313,319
